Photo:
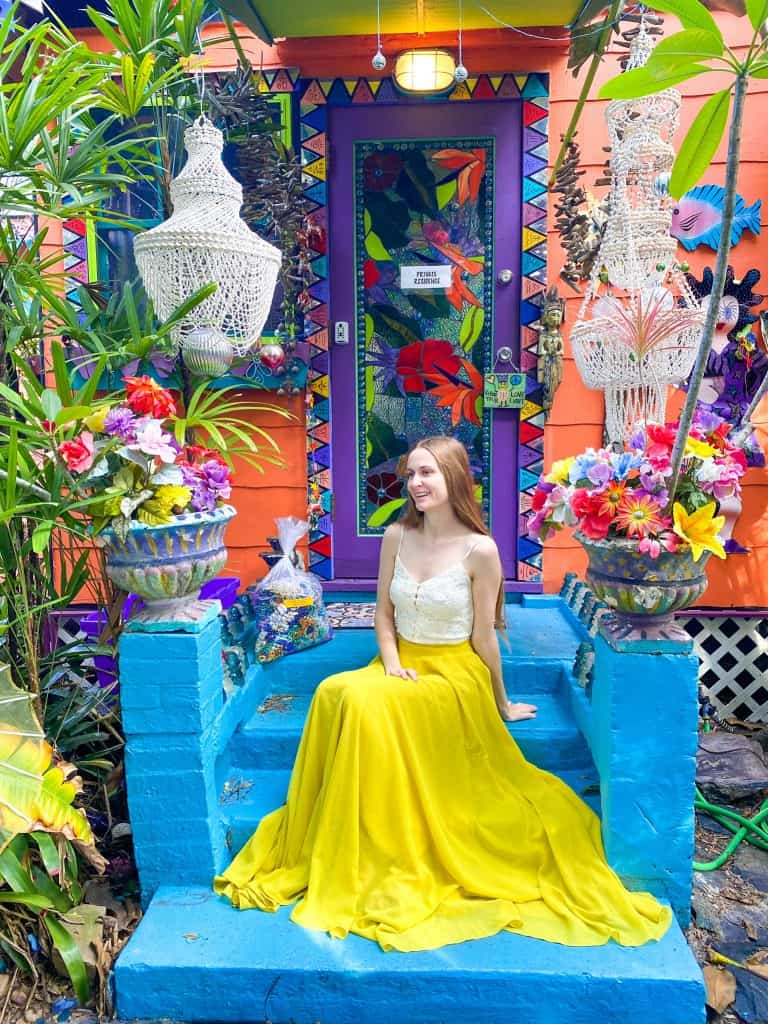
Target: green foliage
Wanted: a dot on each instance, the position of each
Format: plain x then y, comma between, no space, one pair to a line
699,48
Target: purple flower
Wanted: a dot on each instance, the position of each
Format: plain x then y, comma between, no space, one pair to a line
637,441
120,422
706,421
655,485
600,473
216,478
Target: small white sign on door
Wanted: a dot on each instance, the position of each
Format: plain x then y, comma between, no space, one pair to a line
421,278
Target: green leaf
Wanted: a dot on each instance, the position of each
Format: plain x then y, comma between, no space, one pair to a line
632,84
33,900
385,512
690,45
70,413
759,71
41,537
700,144
71,955
374,247
757,12
472,327
51,404
446,192
690,13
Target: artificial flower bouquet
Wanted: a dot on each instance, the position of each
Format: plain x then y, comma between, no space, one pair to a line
127,465
609,495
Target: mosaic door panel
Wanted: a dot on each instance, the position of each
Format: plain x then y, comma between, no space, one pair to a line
422,316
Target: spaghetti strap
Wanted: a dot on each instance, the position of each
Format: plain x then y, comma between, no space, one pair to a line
470,549
400,543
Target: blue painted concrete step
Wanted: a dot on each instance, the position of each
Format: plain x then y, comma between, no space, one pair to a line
248,796
271,738
534,662
194,958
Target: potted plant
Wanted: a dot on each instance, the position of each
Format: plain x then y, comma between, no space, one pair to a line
120,470
647,545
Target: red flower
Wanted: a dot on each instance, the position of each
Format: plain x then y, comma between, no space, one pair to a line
147,398
594,523
416,361
539,500
595,527
381,170
661,439
383,487
78,453
371,275
192,453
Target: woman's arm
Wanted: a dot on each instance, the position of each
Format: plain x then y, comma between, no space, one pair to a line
384,618
484,567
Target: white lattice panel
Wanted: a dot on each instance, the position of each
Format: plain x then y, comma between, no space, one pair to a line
733,663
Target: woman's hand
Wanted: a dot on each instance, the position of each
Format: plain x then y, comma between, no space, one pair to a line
516,712
398,670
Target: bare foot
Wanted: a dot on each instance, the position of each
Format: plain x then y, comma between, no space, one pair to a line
517,712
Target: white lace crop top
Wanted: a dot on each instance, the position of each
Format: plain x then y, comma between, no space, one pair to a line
438,610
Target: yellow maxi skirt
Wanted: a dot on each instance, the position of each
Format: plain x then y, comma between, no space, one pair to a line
413,819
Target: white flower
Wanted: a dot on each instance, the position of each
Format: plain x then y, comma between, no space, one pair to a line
152,440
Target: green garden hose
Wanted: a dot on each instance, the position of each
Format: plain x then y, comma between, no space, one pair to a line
754,830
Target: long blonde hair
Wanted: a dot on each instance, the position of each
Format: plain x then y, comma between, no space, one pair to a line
453,461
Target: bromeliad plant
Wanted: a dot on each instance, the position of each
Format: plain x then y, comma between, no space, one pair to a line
627,495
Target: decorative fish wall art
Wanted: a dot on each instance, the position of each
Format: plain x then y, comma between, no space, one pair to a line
697,218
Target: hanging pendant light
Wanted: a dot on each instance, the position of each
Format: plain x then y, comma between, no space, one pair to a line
205,241
425,71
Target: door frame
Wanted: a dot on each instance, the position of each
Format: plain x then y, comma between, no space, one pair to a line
315,97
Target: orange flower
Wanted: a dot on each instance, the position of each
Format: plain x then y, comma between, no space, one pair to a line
148,398
471,168
639,516
611,497
458,292
457,396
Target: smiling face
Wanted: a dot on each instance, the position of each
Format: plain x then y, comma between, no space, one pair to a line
426,483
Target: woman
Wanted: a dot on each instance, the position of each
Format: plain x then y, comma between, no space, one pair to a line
412,818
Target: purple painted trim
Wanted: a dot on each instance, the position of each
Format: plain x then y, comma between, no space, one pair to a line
425,120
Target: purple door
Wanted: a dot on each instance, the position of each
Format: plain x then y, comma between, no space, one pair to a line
424,220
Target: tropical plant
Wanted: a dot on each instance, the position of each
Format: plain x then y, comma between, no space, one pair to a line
40,832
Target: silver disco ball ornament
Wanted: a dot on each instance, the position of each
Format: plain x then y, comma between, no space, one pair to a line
207,352
379,61
460,74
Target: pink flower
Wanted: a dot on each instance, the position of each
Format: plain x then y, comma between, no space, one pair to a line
152,440
78,453
650,546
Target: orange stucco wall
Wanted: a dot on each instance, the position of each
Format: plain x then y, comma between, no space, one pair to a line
577,416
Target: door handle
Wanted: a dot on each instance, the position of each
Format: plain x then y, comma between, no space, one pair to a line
505,276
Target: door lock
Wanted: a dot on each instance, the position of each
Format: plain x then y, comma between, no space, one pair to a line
505,276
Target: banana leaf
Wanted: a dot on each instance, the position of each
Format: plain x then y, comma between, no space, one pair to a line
35,794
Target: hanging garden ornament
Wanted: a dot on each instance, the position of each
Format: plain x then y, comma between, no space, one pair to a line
379,61
207,352
639,324
461,74
205,241
272,357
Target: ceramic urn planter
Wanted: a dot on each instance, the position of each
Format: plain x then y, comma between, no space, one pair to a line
643,592
166,565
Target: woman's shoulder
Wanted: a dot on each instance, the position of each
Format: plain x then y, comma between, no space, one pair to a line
482,547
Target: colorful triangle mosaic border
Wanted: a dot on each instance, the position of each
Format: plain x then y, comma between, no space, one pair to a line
314,97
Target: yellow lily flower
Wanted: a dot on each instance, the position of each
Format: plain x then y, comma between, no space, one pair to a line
95,421
699,529
700,449
558,474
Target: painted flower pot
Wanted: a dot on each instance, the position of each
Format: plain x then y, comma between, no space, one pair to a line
166,565
643,592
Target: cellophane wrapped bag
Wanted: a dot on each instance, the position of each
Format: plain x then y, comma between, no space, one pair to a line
288,602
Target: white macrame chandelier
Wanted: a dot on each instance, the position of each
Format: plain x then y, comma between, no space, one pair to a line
205,241
639,323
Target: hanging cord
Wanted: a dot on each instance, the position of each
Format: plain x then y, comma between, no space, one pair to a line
200,77
378,26
549,39
461,25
